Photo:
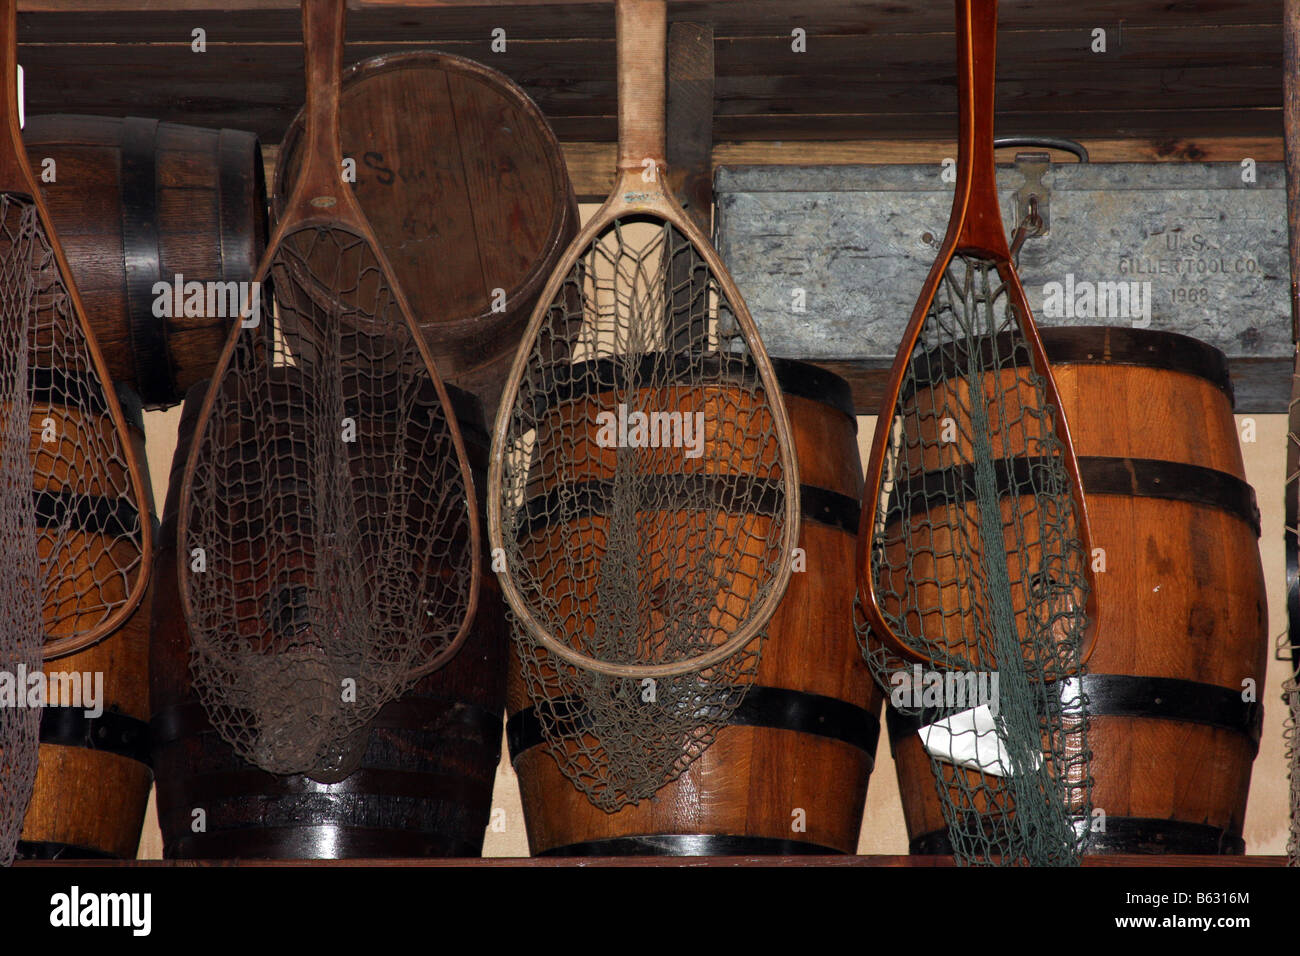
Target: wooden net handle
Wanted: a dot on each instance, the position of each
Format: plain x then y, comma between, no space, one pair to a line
319,190
974,226
642,29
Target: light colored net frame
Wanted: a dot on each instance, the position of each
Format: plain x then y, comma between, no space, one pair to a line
639,580
21,627
978,566
617,548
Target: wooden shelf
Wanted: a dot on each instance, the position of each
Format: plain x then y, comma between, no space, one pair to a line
1109,861
876,70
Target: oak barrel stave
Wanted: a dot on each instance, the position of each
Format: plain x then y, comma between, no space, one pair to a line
803,739
1183,615
93,776
472,199
136,202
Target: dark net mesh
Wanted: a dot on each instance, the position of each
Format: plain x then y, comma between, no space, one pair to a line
978,569
21,627
328,558
643,508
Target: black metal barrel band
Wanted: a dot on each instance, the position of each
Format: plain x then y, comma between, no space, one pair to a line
692,844
570,383
1130,835
318,842
1109,346
154,375
591,498
112,732
774,708
1124,695
1099,475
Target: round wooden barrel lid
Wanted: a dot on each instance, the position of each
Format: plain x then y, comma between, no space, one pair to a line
466,189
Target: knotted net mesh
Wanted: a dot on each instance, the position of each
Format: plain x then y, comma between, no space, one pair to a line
642,510
328,558
21,626
89,516
978,568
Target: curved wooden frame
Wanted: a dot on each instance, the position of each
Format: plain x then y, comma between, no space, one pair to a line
642,28
16,178
319,199
975,226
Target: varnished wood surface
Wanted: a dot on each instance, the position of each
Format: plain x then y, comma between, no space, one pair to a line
751,778
96,799
1170,607
201,232
465,186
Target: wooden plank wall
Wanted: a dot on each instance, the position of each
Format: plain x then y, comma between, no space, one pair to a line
1176,80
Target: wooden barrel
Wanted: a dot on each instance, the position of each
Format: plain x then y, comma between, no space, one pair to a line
424,786
1183,618
788,774
472,204
93,777
137,202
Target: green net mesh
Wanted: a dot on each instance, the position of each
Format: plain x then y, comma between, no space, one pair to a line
979,570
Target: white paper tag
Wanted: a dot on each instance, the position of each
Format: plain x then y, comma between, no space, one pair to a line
970,739
22,116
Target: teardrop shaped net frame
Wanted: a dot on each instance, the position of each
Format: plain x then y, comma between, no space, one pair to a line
94,537
974,548
327,496
77,545
642,485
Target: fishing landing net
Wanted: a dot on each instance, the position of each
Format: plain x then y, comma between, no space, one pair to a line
330,506
643,512
979,570
21,629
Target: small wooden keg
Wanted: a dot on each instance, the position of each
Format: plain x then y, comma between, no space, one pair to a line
93,777
466,189
788,774
424,786
1183,617
137,202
